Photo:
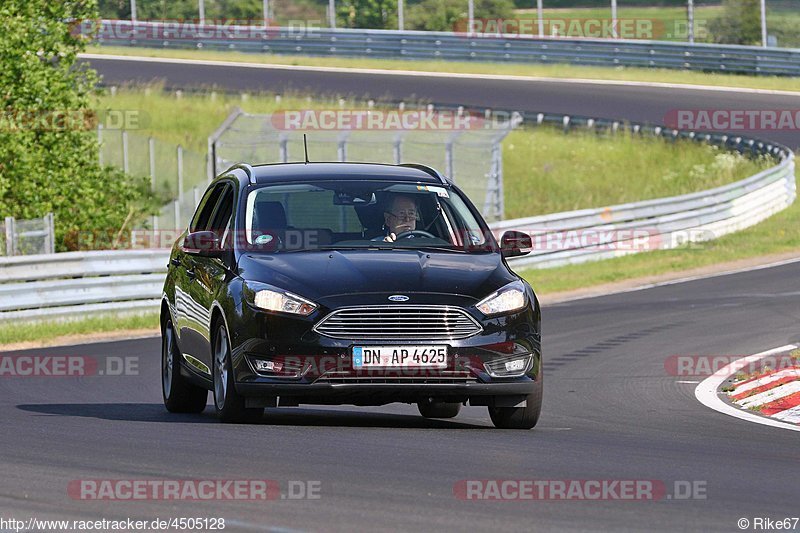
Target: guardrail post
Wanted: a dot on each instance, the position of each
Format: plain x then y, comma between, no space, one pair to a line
448,160
151,149
180,173
100,144
10,237
50,240
152,153
398,150
284,149
125,166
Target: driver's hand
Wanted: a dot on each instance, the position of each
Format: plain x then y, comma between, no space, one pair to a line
390,238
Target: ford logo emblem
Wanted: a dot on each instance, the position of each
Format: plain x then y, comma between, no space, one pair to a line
398,298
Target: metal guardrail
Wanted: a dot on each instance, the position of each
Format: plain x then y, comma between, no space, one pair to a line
81,283
451,46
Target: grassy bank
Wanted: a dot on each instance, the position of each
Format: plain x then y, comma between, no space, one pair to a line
544,171
42,332
464,67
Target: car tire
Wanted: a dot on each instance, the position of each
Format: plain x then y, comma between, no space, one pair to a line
434,409
180,395
518,417
230,405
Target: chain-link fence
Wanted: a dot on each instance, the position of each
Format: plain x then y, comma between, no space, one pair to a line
176,174
27,237
466,149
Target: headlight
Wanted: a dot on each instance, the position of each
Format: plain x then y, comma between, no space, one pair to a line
280,301
510,298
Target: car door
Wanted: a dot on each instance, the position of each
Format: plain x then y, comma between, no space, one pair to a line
209,277
190,316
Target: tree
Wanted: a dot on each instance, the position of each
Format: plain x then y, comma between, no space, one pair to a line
451,15
740,23
48,147
372,14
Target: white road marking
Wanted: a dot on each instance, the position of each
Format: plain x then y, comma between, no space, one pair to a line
706,392
677,281
425,74
771,395
688,381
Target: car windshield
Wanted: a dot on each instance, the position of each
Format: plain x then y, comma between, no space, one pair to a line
341,214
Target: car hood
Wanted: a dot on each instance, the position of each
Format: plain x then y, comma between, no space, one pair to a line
368,277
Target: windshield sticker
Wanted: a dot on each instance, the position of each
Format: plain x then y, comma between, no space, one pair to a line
440,192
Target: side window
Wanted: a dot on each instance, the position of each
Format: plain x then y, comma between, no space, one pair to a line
202,217
221,222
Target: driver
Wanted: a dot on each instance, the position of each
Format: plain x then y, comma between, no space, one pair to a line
399,217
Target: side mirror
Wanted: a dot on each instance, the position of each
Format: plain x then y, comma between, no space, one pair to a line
203,243
515,244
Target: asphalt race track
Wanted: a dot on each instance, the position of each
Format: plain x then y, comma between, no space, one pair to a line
636,103
612,411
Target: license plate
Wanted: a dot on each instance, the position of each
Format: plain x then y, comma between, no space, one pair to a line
400,357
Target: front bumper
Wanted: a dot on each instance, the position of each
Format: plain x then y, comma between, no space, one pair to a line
316,369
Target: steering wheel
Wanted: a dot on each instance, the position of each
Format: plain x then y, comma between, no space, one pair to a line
414,233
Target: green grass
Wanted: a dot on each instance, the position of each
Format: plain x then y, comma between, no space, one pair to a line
548,171
515,69
52,329
778,234
543,173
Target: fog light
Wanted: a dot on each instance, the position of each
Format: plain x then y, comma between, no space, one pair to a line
268,366
516,365
508,367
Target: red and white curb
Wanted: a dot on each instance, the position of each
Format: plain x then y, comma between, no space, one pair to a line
776,394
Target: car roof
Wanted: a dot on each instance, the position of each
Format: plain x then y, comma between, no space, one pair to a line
283,172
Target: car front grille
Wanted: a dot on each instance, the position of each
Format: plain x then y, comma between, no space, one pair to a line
399,322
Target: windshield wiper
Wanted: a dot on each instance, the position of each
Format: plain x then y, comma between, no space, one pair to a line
434,249
373,246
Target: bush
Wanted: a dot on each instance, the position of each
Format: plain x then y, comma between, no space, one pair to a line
740,23
370,14
49,163
451,15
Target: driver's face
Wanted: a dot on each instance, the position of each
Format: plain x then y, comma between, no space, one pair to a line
402,215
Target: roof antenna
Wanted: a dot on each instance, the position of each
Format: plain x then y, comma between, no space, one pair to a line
305,147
